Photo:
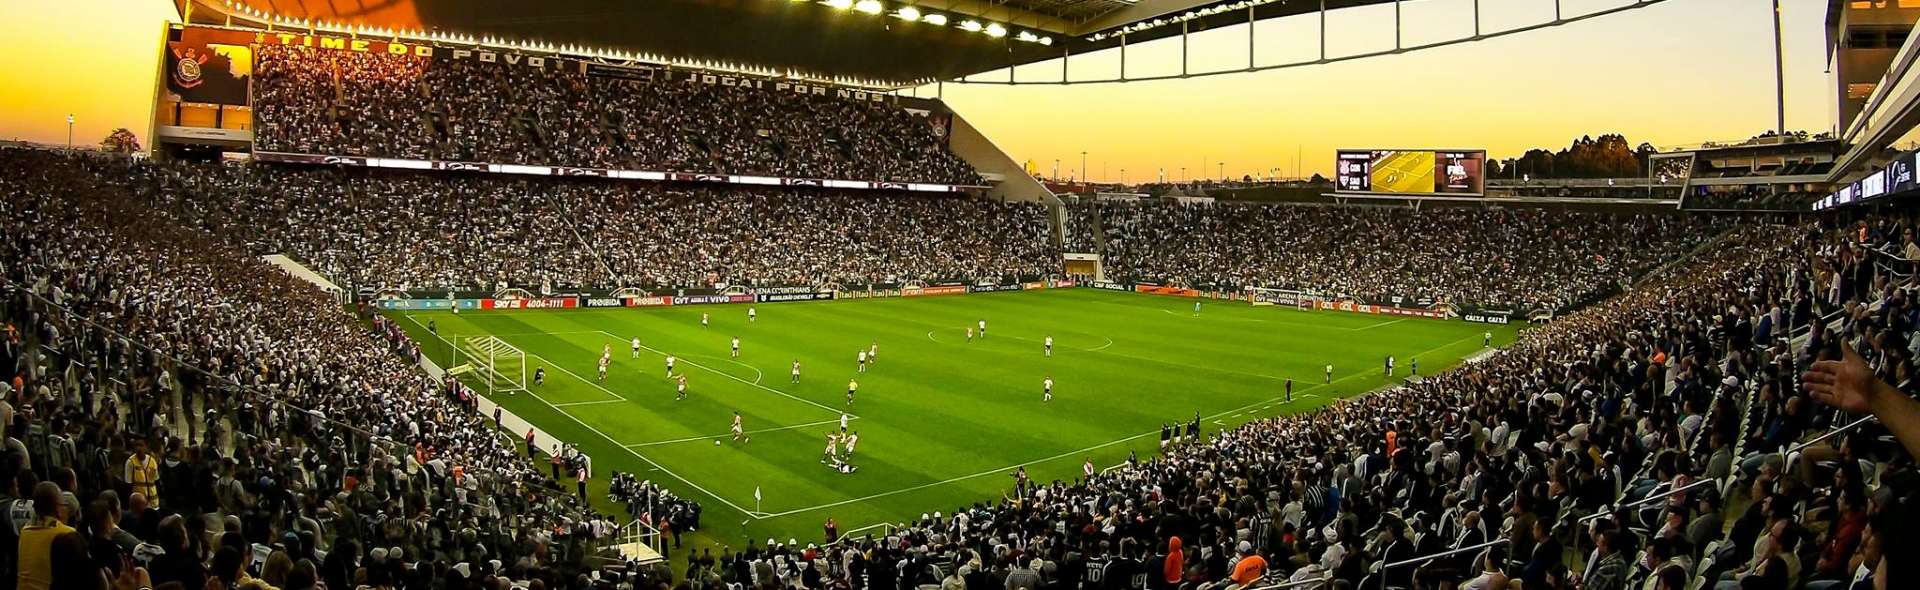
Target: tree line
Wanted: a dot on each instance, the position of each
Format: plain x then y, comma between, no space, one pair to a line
1607,156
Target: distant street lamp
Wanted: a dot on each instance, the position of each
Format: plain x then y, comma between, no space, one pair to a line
69,132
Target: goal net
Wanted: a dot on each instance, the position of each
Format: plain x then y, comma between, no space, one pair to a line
501,364
1261,296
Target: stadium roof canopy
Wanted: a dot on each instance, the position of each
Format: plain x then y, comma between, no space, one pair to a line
866,39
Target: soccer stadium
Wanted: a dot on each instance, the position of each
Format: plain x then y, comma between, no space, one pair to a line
861,295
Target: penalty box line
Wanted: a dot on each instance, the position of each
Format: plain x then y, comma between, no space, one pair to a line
603,435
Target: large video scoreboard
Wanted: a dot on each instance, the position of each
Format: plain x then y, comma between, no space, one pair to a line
1411,172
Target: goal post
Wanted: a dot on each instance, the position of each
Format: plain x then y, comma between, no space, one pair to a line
502,365
1264,296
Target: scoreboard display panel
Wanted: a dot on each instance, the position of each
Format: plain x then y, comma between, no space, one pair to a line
1411,172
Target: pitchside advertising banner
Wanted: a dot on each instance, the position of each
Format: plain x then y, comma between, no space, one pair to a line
760,295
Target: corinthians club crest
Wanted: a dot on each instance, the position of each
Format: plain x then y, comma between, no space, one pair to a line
186,70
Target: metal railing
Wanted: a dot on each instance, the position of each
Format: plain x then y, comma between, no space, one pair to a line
1383,569
1644,501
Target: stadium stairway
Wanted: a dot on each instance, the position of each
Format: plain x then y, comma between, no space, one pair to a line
1009,179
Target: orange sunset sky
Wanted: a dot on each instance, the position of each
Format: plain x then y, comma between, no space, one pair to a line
1676,72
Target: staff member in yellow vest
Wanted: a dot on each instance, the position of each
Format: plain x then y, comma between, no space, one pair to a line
143,473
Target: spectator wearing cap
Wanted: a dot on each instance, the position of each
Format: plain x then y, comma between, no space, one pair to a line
1250,567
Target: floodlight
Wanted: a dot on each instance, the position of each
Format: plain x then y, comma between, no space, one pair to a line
908,13
970,26
995,30
840,4
869,6
938,20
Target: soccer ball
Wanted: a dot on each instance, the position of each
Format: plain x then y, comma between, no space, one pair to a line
716,443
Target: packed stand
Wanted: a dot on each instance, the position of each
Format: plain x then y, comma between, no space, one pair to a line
704,236
427,231
179,414
374,104
1510,258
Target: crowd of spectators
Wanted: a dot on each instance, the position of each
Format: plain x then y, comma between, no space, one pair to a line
179,414
1079,230
1643,442
425,231
1786,197
1506,258
376,104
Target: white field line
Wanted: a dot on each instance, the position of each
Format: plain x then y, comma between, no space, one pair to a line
589,427
757,375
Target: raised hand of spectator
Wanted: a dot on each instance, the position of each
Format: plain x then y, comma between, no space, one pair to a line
1849,384
131,577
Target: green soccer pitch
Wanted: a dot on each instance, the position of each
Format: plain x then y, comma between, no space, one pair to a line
942,421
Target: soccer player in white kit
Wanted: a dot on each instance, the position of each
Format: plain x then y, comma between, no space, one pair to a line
873,352
752,314
736,347
603,368
1087,467
1049,346
703,320
669,365
680,388
1046,389
636,347
852,438
861,358
969,333
843,421
833,448
739,431
983,329
796,372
